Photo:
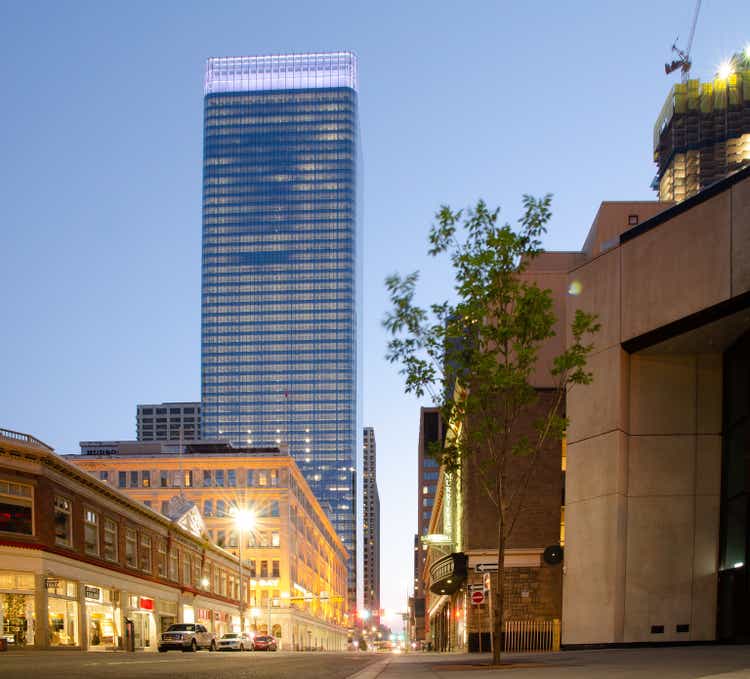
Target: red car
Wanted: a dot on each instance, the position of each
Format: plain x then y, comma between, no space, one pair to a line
264,643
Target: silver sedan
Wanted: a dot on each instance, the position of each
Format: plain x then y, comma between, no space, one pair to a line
234,641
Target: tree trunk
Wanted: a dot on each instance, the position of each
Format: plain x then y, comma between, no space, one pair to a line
498,594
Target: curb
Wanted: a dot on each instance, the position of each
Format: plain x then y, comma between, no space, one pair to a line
371,671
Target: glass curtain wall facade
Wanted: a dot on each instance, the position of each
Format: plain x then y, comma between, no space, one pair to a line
279,267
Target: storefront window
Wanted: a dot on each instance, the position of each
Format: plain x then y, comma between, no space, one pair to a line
101,619
15,508
63,621
17,621
142,627
167,614
62,522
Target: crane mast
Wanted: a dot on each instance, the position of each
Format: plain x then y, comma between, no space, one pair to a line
683,61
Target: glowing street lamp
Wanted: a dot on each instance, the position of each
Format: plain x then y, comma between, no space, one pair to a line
244,520
255,612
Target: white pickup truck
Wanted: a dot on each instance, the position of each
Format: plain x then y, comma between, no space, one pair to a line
186,637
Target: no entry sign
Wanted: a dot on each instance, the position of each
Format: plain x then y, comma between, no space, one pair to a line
477,598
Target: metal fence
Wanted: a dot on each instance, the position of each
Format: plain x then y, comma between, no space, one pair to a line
531,636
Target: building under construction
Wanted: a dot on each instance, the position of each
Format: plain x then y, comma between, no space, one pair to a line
702,133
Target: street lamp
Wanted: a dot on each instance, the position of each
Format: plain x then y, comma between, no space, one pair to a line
255,612
244,520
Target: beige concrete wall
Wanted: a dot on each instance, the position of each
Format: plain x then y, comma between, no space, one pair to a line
644,439
642,499
740,198
673,496
678,268
611,220
644,447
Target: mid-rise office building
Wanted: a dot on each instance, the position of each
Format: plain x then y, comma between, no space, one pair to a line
168,421
292,553
370,526
703,131
280,258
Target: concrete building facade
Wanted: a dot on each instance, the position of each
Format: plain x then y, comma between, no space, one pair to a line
656,517
168,421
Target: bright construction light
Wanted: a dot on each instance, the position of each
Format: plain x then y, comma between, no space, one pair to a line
244,519
725,69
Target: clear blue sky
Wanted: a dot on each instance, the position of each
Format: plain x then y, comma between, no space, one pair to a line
100,141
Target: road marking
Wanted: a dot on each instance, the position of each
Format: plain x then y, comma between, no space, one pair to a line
132,662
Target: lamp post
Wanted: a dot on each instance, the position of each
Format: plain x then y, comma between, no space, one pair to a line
255,612
244,520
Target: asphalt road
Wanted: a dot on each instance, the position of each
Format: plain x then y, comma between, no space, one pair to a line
691,662
201,665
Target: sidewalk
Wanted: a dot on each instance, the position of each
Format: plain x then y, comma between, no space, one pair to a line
687,662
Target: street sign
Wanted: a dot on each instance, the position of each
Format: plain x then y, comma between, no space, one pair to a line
478,587
485,567
477,598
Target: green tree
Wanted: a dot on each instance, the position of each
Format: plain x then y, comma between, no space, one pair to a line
475,356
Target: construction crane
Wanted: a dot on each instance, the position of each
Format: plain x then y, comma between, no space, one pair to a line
683,60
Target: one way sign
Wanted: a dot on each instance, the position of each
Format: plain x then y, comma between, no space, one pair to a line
485,567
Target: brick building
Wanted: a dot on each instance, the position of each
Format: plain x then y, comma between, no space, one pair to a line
78,558
463,549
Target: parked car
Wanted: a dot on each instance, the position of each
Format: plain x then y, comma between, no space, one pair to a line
186,637
263,642
234,641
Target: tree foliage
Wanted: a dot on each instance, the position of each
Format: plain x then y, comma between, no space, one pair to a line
475,356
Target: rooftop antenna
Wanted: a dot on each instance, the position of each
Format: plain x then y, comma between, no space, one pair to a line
683,61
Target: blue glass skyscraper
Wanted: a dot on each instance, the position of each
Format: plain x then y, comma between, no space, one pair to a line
279,284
